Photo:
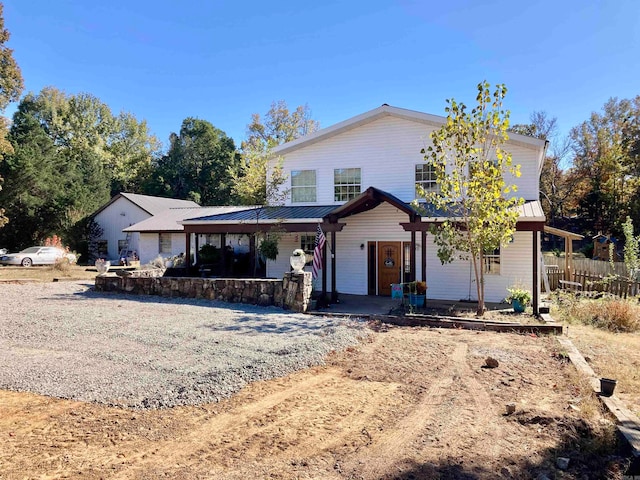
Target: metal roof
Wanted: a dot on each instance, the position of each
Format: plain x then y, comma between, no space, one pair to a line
151,205
168,220
155,205
300,213
530,211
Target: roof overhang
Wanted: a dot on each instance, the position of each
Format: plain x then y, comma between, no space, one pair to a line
563,233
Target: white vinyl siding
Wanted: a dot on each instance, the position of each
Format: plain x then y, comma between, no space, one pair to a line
390,147
113,219
347,184
303,186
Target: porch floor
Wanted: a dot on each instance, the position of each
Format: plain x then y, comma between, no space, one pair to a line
376,305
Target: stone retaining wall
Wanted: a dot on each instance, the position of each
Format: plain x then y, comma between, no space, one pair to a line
293,292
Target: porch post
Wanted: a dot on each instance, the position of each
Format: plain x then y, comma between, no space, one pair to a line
412,255
197,248
334,292
253,254
324,272
187,250
423,255
536,267
223,246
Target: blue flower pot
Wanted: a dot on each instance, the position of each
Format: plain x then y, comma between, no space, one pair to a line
416,300
517,306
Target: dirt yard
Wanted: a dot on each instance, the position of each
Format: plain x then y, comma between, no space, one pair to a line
407,403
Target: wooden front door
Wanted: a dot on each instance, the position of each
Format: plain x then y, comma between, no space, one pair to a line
389,266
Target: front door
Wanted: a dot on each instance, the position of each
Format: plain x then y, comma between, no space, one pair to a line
389,266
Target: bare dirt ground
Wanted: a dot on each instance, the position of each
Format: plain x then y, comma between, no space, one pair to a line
406,403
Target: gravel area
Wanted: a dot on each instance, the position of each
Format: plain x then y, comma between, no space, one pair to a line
66,340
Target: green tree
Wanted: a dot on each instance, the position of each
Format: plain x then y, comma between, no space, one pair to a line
198,165
556,183
70,154
11,86
470,166
250,184
34,184
607,162
279,126
132,149
631,249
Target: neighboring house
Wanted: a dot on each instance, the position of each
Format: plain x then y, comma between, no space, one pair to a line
124,210
163,235
357,179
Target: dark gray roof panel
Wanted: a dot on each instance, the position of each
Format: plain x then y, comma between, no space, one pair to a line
269,213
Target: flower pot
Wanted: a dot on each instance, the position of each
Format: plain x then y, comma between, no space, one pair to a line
517,306
102,266
417,300
297,263
607,386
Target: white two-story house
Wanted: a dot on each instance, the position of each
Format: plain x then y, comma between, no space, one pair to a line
356,179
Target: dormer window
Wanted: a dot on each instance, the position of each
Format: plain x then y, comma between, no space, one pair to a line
303,186
347,184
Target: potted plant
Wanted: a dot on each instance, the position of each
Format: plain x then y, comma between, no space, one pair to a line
417,293
519,297
269,248
102,266
298,260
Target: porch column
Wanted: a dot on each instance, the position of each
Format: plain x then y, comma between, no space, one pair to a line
187,250
324,271
334,292
197,247
412,255
253,254
223,246
536,267
423,254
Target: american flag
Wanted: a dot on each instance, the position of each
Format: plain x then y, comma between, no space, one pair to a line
317,252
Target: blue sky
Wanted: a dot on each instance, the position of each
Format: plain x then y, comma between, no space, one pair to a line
222,61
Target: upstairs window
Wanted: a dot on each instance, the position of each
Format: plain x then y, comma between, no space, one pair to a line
426,178
303,186
347,184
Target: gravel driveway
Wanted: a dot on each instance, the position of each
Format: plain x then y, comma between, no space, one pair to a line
65,340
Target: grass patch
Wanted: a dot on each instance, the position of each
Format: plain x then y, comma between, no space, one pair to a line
46,273
612,355
609,313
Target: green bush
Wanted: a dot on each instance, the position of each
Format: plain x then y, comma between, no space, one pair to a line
208,254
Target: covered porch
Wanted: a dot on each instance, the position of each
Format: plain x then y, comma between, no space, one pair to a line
409,225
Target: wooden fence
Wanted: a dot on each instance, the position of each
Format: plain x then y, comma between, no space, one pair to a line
596,267
591,282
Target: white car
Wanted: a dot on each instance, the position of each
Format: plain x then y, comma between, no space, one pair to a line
37,256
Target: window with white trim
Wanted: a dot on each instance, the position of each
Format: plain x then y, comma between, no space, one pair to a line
492,262
308,244
303,186
164,243
347,184
426,178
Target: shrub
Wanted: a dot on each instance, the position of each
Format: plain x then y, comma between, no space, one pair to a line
612,314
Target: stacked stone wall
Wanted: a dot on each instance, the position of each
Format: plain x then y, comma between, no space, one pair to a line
293,292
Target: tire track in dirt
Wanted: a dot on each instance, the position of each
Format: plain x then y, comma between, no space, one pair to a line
408,440
272,426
